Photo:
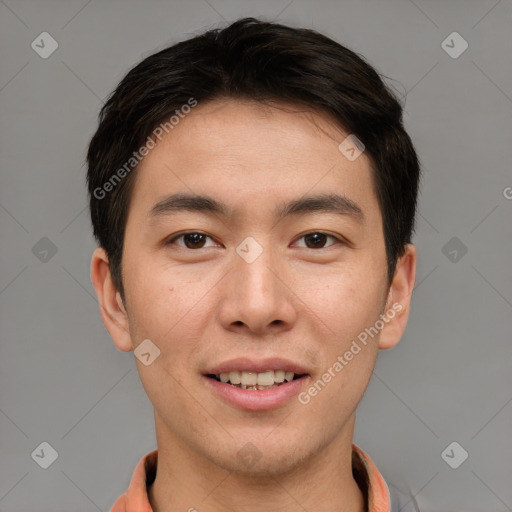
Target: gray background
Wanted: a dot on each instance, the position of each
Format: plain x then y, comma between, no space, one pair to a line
61,378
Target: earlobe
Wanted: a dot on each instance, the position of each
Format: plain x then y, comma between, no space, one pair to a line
113,312
399,299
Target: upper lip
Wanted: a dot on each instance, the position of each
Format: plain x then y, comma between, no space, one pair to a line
256,366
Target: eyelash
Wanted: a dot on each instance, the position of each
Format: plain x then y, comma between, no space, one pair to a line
172,240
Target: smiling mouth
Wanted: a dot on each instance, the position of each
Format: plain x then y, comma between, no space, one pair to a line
256,381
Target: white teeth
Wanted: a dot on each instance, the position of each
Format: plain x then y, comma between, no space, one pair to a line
266,378
279,376
249,378
263,380
234,377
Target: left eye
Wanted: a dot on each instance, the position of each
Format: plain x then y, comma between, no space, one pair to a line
196,240
316,239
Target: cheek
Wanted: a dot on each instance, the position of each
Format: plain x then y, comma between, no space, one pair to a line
159,295
344,299
345,307
167,305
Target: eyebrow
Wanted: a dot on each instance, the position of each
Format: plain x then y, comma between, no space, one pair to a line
321,203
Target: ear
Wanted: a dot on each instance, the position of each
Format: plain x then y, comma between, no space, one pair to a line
399,299
113,312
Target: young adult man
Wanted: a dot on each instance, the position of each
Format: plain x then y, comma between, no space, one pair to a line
253,193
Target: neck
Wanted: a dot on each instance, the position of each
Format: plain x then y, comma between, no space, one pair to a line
188,481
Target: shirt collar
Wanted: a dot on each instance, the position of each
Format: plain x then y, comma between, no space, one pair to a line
366,474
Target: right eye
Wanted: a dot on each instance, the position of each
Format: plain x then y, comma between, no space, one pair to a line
191,239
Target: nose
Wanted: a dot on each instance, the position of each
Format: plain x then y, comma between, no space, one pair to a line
257,297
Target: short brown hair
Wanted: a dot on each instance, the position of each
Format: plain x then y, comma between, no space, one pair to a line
259,60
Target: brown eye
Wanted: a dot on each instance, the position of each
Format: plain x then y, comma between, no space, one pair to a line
192,240
316,240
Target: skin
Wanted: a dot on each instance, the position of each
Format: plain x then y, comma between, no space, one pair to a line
202,306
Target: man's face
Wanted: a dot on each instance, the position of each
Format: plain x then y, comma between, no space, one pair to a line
205,299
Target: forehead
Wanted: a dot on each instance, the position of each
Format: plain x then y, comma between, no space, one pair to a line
246,153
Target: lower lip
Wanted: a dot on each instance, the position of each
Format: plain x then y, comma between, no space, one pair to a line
257,400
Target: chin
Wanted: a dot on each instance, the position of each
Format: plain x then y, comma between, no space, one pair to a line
264,459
